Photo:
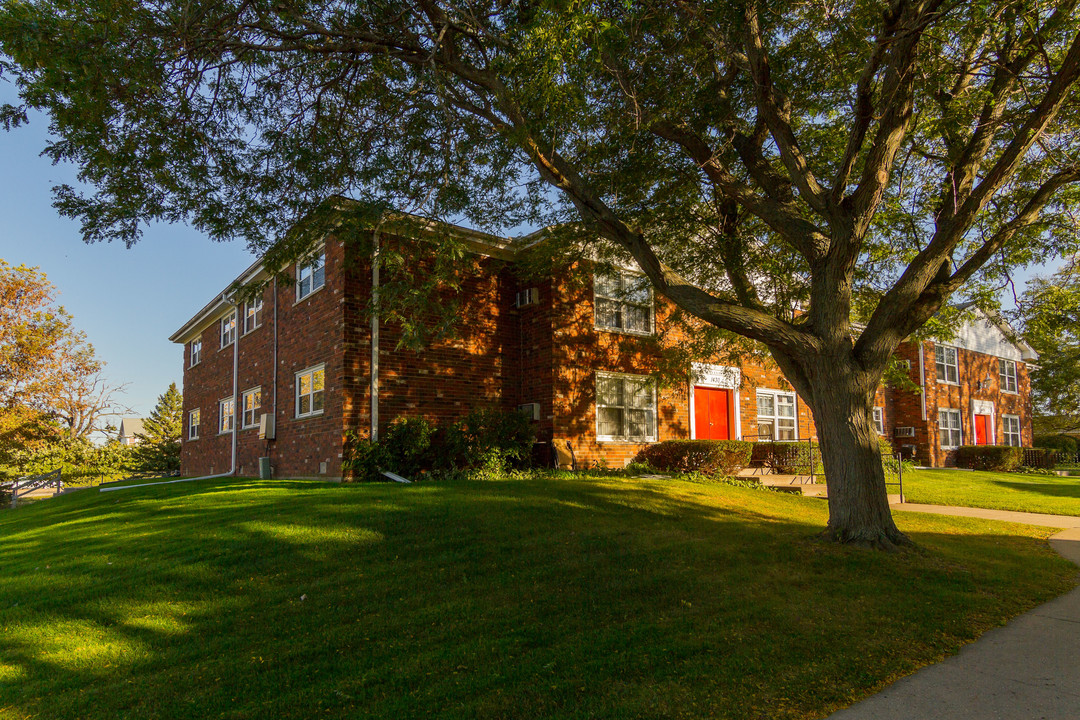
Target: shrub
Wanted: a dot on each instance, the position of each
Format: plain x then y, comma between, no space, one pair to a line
711,457
489,439
405,449
1061,443
1000,458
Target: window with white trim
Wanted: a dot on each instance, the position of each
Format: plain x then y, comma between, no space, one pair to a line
196,352
193,424
625,408
776,415
310,388
948,370
623,302
1010,424
950,430
228,329
1007,375
253,314
226,415
879,420
310,275
250,403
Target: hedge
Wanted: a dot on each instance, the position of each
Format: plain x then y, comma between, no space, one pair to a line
712,457
1061,443
1001,458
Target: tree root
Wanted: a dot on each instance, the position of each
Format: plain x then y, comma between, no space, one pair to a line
891,540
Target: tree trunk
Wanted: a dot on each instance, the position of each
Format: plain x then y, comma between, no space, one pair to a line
850,450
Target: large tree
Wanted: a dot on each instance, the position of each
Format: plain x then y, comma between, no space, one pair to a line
818,177
159,442
1050,311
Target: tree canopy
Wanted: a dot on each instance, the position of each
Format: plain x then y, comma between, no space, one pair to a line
779,170
1050,310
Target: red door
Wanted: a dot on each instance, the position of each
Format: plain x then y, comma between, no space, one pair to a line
982,429
712,412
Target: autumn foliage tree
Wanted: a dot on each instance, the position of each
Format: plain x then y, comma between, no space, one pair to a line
818,177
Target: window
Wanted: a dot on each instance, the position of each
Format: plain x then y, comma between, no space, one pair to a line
947,369
193,424
879,420
250,404
623,302
196,352
228,329
310,385
625,408
776,415
1011,425
253,313
311,275
949,429
227,414
1007,375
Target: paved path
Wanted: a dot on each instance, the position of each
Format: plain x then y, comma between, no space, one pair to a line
1027,670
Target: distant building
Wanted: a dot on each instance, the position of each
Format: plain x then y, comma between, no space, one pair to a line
129,428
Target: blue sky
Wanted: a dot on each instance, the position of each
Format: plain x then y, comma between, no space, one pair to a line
127,301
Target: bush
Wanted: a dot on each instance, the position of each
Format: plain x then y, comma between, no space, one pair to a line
489,439
1000,458
405,449
1061,443
711,457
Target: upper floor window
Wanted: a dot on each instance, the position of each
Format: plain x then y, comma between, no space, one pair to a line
228,329
1007,375
776,415
879,420
310,387
193,424
196,352
950,432
948,371
625,408
310,275
250,404
226,415
1010,424
253,314
623,302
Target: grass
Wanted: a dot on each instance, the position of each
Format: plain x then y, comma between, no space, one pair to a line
1050,494
599,597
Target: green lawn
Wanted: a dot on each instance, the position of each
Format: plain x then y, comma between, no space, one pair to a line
999,491
519,598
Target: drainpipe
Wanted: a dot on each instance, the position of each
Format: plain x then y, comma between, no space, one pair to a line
922,380
375,335
235,379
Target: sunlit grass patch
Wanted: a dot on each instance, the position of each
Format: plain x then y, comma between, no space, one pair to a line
1050,494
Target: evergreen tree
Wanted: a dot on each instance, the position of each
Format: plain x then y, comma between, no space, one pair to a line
159,449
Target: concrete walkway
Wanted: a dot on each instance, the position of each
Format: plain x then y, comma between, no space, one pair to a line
1027,670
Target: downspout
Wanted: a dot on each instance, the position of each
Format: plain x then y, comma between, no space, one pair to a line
235,380
922,380
374,436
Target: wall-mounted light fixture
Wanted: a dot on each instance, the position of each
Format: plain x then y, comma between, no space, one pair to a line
983,384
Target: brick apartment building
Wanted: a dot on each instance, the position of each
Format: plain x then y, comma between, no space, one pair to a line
577,356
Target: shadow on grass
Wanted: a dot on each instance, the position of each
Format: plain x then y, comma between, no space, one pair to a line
515,599
1058,489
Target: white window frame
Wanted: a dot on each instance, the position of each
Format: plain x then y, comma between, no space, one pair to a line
226,404
621,302
194,423
195,352
941,361
228,330
1006,420
776,417
253,310
313,272
879,420
651,415
322,399
255,392
1004,376
945,431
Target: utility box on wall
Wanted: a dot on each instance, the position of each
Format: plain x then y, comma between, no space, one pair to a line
265,471
266,426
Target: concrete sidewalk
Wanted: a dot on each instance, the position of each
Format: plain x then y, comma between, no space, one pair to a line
1028,669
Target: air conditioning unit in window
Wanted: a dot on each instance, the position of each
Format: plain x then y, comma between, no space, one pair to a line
530,296
266,426
904,432
531,410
